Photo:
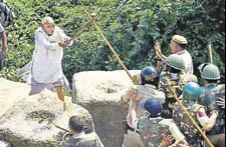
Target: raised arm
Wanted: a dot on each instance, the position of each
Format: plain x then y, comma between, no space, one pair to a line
159,52
207,122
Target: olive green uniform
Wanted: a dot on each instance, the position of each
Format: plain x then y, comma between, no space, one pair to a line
174,80
211,94
83,140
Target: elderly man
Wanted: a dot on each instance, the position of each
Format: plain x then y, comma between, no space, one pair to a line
3,49
178,46
47,58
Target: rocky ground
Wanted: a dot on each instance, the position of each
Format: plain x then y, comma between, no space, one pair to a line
27,121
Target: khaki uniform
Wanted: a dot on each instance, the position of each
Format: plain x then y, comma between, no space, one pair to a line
143,93
83,140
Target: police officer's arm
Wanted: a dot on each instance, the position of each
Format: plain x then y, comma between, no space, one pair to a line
159,52
166,141
178,136
207,122
221,103
129,95
133,114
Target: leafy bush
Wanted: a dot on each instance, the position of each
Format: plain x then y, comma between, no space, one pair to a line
132,28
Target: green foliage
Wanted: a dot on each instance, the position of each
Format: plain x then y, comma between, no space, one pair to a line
132,28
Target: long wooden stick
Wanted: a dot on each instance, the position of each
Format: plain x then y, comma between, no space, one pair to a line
210,51
80,31
57,126
190,117
109,45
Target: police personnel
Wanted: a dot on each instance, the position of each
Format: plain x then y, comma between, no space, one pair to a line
212,92
136,97
173,78
79,138
178,46
191,94
157,131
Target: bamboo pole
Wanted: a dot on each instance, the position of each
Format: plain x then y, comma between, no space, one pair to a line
210,51
80,31
190,117
57,126
109,45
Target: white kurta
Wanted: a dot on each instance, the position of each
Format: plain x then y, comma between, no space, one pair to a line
47,57
185,55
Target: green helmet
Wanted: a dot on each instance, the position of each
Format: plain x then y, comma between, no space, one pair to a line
175,61
202,66
192,91
211,72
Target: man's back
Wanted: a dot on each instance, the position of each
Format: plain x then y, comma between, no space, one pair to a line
152,129
192,135
189,68
174,80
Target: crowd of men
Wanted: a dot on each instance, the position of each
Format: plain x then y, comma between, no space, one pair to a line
155,119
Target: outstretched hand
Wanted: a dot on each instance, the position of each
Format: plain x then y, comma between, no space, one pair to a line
158,49
136,79
166,140
221,103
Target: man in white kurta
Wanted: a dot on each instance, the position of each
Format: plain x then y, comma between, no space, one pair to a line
47,58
